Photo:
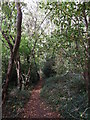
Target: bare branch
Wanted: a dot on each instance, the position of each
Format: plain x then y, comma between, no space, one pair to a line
8,41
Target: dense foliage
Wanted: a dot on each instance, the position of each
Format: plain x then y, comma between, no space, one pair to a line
49,39
66,94
48,69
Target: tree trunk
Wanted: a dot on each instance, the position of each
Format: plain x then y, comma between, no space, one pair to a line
89,79
85,75
14,51
27,78
18,69
88,64
9,72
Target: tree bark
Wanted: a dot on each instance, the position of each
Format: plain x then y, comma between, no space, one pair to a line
18,69
14,52
9,72
89,79
87,24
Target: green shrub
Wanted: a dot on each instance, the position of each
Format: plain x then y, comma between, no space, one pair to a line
15,102
48,68
34,76
66,94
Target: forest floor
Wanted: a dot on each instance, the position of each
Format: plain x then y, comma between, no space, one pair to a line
36,107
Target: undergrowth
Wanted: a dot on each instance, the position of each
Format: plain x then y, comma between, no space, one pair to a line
67,95
15,102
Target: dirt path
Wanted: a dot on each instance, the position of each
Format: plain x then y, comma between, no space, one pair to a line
36,107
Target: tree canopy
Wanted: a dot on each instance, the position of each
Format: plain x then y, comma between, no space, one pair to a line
44,39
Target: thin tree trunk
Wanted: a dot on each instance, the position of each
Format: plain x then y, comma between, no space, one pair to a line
89,70
27,78
18,69
85,74
89,79
87,23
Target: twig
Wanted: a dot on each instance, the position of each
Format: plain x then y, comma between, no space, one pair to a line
73,116
85,111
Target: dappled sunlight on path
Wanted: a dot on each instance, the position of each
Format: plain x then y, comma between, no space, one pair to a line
36,107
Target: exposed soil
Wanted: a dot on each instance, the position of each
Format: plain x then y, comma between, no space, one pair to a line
36,107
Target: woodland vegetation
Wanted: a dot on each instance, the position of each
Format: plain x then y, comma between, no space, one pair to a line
48,41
